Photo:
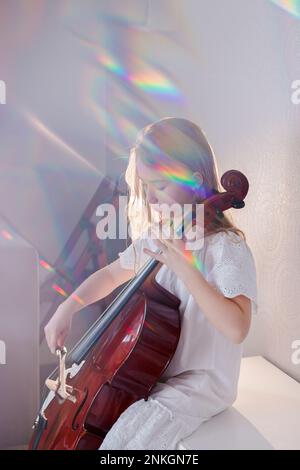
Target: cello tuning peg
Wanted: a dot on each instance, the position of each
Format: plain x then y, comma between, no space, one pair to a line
236,204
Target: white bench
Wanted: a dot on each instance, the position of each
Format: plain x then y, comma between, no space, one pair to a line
266,414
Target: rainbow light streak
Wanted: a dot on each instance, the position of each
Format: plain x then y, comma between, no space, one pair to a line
176,173
64,294
77,299
45,265
147,79
6,235
110,64
171,169
291,6
59,290
195,262
189,255
155,83
180,174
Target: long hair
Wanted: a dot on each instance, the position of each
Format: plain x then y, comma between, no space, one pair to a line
184,145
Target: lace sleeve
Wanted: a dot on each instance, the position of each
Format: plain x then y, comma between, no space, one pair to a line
233,271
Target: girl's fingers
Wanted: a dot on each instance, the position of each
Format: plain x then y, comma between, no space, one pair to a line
178,245
154,255
52,345
159,243
60,341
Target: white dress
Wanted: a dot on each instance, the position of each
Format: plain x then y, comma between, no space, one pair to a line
201,379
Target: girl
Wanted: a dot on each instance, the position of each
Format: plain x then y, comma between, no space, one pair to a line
172,162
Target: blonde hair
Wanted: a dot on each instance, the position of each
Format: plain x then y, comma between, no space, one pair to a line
183,142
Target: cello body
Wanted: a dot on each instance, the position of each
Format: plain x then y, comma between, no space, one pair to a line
124,366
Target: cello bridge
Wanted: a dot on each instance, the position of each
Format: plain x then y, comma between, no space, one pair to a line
62,390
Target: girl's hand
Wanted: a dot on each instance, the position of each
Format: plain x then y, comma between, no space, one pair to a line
58,328
174,254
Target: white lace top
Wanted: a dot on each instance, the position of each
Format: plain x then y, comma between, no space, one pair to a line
201,379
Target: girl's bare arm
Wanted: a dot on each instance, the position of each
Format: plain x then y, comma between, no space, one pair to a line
232,317
98,285
95,287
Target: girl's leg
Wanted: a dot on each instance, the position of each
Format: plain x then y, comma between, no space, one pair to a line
146,425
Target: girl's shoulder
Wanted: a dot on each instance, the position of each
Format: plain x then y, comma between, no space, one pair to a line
224,235
227,247
226,238
230,266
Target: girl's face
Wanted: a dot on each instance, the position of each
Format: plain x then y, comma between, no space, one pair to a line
161,190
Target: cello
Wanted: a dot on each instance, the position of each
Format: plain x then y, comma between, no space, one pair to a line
123,354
